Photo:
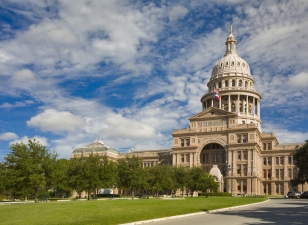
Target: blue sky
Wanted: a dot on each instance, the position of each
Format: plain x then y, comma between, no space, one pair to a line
132,71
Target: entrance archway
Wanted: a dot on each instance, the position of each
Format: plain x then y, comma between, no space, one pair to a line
213,154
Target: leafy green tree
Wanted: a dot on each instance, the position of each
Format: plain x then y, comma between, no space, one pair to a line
108,173
130,174
194,176
30,166
75,172
180,178
207,184
60,182
161,178
301,161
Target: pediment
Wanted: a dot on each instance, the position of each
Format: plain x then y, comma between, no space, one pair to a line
213,112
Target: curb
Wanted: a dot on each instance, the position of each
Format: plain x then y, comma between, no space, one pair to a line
190,214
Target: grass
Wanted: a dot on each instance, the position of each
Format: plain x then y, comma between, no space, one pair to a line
111,211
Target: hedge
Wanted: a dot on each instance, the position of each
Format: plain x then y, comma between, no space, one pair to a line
108,196
215,194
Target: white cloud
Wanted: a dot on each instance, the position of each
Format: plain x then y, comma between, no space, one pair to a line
177,12
24,75
299,80
42,140
55,121
8,136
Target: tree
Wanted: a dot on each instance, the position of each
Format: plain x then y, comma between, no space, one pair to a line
108,173
60,182
76,175
130,174
194,176
161,178
207,184
30,166
300,158
180,178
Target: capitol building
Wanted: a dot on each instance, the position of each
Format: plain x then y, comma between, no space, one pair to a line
226,135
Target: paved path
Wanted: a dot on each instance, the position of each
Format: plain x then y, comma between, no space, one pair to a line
275,211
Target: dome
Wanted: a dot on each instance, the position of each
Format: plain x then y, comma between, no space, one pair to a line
97,146
231,63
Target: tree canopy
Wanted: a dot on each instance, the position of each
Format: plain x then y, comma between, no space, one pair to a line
300,158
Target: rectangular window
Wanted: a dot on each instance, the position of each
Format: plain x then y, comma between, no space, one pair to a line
187,142
209,124
269,175
281,160
239,186
264,161
239,155
290,173
225,122
245,155
244,186
264,146
239,138
224,157
204,124
290,160
238,168
204,158
281,174
245,169
277,160
214,123
245,138
269,146
207,158
182,142
269,162
277,173
220,123
182,158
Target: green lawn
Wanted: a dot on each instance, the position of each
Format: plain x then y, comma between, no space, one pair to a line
111,211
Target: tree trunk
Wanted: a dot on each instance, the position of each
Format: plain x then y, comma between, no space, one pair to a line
133,193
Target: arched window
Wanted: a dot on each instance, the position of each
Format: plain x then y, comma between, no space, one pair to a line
233,107
241,107
227,64
225,106
226,83
246,83
233,83
240,83
219,85
232,63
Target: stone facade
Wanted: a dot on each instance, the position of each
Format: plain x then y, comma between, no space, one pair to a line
227,133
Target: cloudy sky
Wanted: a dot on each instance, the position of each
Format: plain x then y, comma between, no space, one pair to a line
132,71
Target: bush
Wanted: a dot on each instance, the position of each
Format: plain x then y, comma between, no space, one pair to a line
108,195
215,194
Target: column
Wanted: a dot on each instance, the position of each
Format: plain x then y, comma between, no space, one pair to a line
285,168
195,159
253,106
248,186
247,105
220,102
273,167
229,102
212,102
178,158
253,163
258,103
238,104
249,162
205,104
234,167
190,160
173,159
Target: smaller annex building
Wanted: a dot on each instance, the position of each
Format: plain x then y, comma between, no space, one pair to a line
227,134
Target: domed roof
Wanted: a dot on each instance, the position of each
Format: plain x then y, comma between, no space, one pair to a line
231,62
97,146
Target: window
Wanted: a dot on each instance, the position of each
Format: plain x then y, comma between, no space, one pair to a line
240,83
241,107
245,155
187,142
290,173
227,64
239,186
209,124
277,160
207,158
246,83
277,173
239,138
239,155
214,123
281,160
182,142
233,107
238,63
269,162
269,146
233,83
245,138
290,160
203,158
219,85
176,141
219,123
225,107
232,63
245,169
264,161
281,174
238,168
226,83
182,158
264,146
204,124
244,186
